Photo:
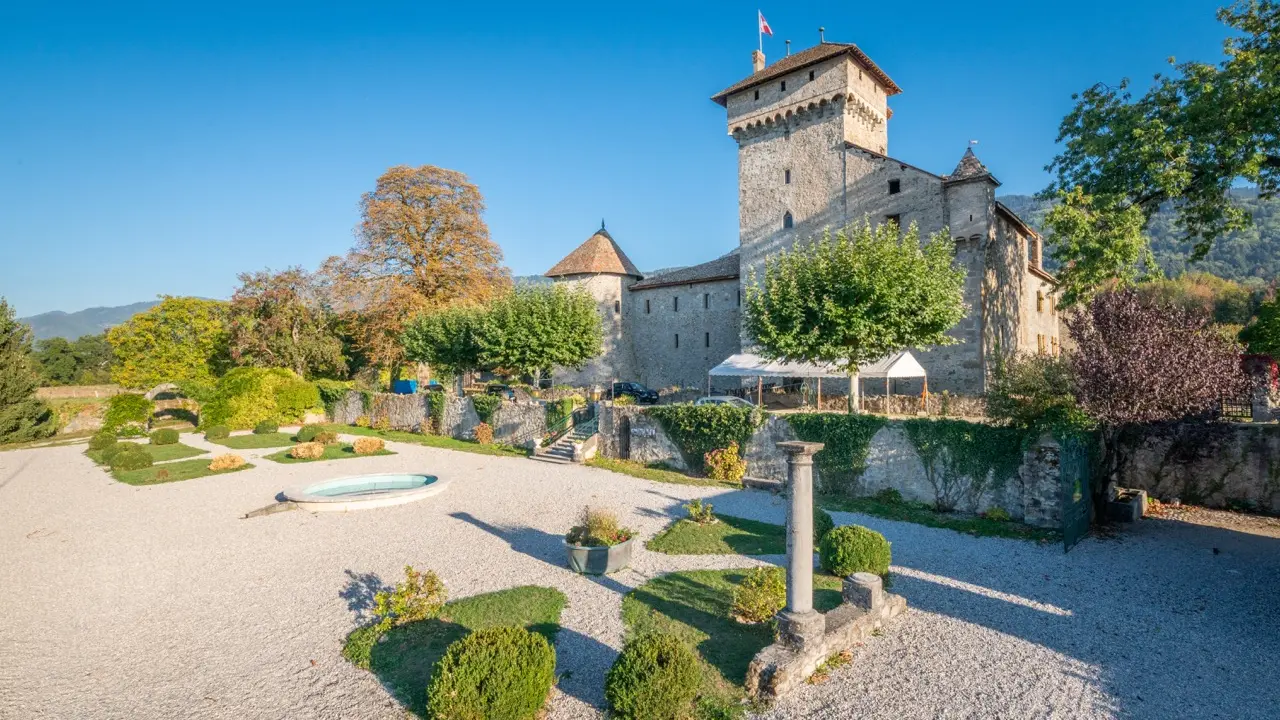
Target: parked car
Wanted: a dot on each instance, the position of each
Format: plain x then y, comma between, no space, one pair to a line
501,390
723,400
641,393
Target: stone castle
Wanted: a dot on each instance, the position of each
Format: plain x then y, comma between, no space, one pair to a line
812,135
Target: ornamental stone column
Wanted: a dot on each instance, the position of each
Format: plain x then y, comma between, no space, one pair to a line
799,624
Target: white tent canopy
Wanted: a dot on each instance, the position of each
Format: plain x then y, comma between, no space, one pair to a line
899,365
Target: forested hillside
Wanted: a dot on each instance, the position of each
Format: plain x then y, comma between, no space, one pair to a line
1251,253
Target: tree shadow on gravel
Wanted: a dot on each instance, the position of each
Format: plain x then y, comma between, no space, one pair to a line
359,591
589,661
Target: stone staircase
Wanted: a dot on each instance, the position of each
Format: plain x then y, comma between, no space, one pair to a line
562,450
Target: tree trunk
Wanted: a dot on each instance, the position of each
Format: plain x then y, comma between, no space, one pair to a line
854,404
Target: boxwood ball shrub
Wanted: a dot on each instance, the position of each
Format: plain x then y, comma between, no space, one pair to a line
498,672
656,677
111,451
102,440
325,437
167,436
852,548
134,458
760,595
217,432
307,433
266,427
822,524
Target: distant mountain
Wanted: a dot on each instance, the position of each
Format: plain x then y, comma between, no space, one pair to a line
1251,253
85,322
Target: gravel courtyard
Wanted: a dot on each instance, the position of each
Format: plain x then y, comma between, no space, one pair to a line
159,602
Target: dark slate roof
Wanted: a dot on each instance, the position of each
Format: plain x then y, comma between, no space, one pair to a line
970,168
804,58
599,254
722,268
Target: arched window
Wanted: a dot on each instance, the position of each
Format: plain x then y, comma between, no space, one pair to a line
787,222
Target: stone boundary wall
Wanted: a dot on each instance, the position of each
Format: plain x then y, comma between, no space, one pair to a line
78,391
513,423
519,424
1033,495
1232,465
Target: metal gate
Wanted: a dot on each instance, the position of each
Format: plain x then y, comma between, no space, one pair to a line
1074,463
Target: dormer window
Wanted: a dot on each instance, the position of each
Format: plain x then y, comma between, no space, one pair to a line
787,221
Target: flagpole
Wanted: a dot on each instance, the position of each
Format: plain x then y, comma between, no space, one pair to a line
759,32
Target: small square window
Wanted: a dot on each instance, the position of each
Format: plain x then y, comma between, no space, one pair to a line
786,177
784,86
895,187
707,340
810,74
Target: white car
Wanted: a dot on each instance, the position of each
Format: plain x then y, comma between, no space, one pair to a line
723,400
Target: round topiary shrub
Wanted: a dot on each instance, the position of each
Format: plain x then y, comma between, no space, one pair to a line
308,433
499,672
656,677
131,459
266,427
368,446
217,432
852,548
326,437
822,524
167,436
307,451
760,595
111,451
102,440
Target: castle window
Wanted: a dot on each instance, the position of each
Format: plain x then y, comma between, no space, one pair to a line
1054,344
784,86
1039,301
787,222
1033,249
757,94
706,301
706,340
675,304
895,219
810,74
617,306
677,340
786,177
739,298
647,309
895,187
1040,344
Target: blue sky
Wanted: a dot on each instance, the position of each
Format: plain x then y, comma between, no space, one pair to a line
163,148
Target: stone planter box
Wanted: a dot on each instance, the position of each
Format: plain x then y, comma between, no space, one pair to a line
588,560
1128,506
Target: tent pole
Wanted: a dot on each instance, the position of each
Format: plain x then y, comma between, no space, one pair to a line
760,392
819,393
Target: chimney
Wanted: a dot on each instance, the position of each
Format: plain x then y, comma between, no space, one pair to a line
757,61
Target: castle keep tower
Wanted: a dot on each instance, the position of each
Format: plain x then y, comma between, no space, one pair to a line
601,268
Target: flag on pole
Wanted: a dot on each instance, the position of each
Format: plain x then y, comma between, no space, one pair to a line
764,25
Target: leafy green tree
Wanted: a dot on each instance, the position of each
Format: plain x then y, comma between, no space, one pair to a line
856,298
84,362
445,340
181,339
535,328
1185,142
281,320
23,417
93,359
56,360
1095,243
1036,393
1262,336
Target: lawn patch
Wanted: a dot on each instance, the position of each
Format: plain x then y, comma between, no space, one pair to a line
921,514
171,472
436,441
657,473
729,536
256,442
695,605
336,451
406,655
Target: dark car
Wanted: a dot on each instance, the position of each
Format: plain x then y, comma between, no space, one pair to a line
641,393
500,390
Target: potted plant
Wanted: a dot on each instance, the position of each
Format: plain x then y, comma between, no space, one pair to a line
596,545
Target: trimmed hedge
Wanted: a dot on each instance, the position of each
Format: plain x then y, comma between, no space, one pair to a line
851,549
498,672
166,436
127,408
656,677
847,439
217,432
246,396
266,427
700,429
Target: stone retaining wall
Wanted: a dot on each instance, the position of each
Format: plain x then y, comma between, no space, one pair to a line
513,423
519,424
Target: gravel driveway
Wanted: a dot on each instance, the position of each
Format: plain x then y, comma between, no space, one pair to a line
158,602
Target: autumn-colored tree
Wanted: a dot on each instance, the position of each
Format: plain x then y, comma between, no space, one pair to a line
421,244
282,320
1183,144
181,339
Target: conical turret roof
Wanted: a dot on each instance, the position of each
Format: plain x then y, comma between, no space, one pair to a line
599,254
970,168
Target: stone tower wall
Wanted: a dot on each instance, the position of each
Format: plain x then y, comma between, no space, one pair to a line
708,329
616,359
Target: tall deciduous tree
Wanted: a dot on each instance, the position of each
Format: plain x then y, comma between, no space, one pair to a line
1196,132
537,328
181,339
22,416
1262,336
56,361
421,245
856,298
84,362
282,320
446,340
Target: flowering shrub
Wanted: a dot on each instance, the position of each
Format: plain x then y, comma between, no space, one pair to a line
725,464
760,595
363,421
420,596
483,434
